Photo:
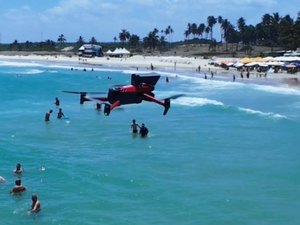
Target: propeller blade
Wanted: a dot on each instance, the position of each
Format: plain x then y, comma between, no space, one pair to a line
84,92
176,96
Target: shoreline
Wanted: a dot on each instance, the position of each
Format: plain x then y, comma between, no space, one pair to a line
172,64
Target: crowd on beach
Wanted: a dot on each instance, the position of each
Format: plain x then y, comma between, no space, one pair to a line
19,188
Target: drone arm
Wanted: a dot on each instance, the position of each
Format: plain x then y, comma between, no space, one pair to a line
165,103
115,104
108,107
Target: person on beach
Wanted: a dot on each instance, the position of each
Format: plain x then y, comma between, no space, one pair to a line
47,116
143,131
18,170
36,205
18,188
60,114
134,127
233,78
57,102
152,67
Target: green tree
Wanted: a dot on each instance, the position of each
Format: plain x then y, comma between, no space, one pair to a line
93,41
61,40
241,23
134,41
80,41
124,36
152,40
201,29
211,21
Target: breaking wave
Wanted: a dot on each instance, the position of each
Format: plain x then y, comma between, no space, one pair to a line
264,114
194,101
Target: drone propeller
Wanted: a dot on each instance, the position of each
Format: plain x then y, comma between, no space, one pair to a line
175,96
167,102
84,92
83,95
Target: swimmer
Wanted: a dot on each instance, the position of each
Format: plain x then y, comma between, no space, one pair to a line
60,114
47,116
36,206
143,131
134,127
18,188
57,103
18,169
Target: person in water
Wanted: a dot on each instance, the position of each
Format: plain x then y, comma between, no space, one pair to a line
60,114
47,116
57,103
134,127
36,206
18,169
18,188
143,131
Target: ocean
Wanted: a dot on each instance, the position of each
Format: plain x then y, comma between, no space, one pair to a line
226,152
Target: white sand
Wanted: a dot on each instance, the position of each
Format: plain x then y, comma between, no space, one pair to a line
171,63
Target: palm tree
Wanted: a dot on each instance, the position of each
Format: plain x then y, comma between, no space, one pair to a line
93,41
134,41
124,36
211,21
169,32
80,41
61,39
220,20
241,25
194,29
207,30
227,28
152,39
201,29
188,31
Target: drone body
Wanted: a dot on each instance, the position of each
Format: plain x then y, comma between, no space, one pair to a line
140,89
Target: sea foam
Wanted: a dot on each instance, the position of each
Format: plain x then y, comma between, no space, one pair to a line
264,114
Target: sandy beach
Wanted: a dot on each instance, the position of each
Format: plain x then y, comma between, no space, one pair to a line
163,63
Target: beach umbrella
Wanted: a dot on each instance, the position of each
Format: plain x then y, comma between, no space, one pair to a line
245,60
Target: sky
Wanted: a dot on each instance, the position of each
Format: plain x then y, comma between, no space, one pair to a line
40,20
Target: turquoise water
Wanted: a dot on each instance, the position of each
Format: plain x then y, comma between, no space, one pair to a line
226,153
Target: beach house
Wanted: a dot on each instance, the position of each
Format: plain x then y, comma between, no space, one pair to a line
90,50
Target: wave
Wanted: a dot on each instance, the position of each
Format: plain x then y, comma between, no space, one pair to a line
19,64
277,89
264,114
32,71
194,101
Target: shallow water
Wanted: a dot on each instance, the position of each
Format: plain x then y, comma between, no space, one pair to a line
226,153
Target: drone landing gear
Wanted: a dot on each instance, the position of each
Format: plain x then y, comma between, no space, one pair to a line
106,110
108,107
167,105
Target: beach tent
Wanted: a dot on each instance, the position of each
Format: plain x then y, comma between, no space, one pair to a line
120,52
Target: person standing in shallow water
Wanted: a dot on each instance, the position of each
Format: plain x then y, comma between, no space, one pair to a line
143,131
36,205
18,188
134,127
47,116
57,103
60,114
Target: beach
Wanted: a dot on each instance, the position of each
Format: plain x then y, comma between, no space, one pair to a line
225,153
163,63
